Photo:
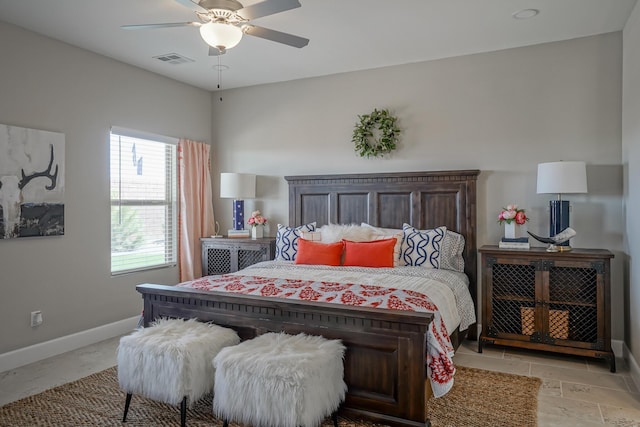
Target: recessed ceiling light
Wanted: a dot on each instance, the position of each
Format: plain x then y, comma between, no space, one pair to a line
525,13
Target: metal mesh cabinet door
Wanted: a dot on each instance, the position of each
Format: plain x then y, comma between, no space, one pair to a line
218,261
573,305
513,299
249,256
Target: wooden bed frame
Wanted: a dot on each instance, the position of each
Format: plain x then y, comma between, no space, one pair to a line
384,363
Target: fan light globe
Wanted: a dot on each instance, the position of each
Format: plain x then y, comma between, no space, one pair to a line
222,36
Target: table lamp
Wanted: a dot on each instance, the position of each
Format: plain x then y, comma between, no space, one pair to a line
237,186
561,178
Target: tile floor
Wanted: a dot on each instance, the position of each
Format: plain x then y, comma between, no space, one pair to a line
576,391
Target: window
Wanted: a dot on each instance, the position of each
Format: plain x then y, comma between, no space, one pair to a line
143,201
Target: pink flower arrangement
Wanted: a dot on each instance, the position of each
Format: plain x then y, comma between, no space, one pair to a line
512,213
256,219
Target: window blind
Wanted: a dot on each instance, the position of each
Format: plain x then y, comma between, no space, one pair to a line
143,201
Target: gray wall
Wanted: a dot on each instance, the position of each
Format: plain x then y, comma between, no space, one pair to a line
501,112
48,85
631,161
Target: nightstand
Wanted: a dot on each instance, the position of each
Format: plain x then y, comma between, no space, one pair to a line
552,301
224,255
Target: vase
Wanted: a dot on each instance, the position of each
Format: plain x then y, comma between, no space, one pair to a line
257,232
510,230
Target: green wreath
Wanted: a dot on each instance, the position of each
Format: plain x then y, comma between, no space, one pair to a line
385,125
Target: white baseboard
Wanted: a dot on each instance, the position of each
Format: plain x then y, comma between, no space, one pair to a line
34,353
618,348
634,368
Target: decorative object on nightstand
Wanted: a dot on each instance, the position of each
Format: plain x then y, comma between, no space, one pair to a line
512,216
237,186
257,232
238,234
556,240
515,243
216,231
228,255
257,223
540,300
561,178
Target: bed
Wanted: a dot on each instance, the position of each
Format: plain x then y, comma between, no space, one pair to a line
385,362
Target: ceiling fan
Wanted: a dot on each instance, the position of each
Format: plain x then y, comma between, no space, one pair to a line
223,22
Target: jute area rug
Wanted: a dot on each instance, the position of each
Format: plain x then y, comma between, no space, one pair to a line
478,399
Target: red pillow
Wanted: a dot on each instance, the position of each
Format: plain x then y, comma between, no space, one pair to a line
319,253
377,253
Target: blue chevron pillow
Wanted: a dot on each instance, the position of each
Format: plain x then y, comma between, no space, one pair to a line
287,240
421,248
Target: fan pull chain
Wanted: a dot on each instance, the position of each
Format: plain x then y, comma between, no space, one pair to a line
219,75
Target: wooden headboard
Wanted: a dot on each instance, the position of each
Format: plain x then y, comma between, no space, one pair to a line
422,199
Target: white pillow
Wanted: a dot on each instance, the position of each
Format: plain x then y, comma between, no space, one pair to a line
287,240
387,231
332,233
421,248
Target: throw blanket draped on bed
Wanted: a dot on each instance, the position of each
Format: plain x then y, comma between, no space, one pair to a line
261,281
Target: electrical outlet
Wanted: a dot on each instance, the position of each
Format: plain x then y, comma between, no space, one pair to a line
36,318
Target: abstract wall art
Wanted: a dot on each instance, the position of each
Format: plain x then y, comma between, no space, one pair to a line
31,182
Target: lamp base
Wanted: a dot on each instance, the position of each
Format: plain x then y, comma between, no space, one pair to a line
238,214
558,248
558,218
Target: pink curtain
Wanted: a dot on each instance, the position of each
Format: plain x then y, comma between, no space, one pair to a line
195,218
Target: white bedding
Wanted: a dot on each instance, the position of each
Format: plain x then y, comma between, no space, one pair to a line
449,290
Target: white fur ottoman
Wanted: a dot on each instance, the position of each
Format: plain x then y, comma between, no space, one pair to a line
170,361
279,380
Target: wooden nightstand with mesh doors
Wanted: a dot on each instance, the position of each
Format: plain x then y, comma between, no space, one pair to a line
222,255
551,301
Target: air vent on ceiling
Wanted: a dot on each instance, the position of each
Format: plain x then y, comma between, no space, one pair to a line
174,58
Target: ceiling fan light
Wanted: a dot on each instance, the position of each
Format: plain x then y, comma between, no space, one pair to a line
222,36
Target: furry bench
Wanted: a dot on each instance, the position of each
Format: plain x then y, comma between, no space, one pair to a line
170,361
279,380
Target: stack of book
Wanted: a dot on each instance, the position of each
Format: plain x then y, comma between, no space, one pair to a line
516,243
240,234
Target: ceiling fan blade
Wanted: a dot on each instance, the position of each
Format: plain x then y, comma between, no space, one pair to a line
276,36
267,7
165,25
193,5
213,51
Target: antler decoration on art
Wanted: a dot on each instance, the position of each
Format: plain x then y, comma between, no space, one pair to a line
46,174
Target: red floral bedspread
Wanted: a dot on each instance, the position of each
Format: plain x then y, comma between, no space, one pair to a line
439,349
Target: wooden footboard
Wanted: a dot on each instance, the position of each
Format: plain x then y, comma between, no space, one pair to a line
385,359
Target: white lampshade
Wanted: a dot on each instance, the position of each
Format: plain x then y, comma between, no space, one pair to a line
222,36
562,178
237,186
